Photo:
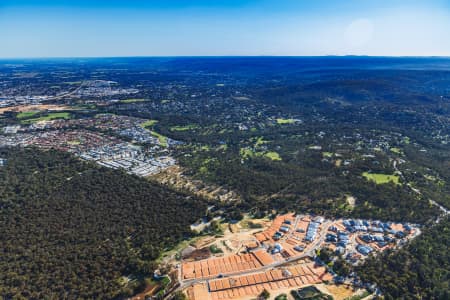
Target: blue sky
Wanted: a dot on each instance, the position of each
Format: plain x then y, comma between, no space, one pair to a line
224,27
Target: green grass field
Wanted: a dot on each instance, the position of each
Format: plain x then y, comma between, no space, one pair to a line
248,153
27,114
49,117
273,155
260,141
184,128
327,154
396,150
149,123
162,139
381,178
282,121
132,100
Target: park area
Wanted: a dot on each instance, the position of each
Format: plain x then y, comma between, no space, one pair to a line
381,178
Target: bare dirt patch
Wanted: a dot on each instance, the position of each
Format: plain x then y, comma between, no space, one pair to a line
339,292
351,201
25,108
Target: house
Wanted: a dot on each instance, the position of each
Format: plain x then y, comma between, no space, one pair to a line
339,279
299,248
365,250
333,228
331,238
284,229
319,219
340,250
400,234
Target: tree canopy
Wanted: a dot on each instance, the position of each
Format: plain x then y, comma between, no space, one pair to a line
70,229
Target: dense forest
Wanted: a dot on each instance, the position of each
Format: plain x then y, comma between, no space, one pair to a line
419,271
70,229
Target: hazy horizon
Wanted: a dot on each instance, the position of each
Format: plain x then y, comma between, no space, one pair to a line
223,56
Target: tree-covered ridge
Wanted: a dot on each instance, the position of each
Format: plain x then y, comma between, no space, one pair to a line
419,271
71,230
309,184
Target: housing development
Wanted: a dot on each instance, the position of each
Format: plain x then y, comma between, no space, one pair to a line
112,141
284,256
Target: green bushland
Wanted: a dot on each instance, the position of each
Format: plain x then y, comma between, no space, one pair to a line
67,225
421,270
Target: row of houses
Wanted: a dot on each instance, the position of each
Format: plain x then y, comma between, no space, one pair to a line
311,232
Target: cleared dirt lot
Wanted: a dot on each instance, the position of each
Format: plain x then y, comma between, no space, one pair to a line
248,286
339,292
234,263
24,108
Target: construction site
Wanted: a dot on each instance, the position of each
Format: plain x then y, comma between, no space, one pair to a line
281,256
248,286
